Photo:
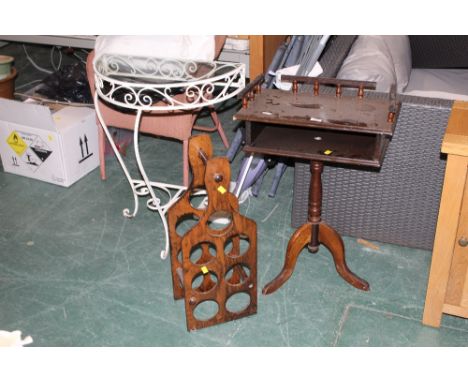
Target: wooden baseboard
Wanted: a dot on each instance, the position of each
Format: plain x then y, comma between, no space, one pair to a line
454,310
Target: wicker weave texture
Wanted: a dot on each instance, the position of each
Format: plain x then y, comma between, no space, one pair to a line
334,54
439,51
398,204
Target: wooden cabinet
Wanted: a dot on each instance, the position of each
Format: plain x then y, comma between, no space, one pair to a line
447,290
262,50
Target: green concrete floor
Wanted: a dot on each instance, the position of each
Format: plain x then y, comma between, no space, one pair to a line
75,272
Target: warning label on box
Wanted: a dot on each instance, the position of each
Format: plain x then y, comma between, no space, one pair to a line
15,141
31,148
40,148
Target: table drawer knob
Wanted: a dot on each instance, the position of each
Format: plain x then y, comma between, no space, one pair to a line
463,242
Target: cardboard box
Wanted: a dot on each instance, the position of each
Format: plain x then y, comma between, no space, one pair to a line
59,147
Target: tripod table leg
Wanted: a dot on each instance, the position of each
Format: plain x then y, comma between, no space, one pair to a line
332,240
297,242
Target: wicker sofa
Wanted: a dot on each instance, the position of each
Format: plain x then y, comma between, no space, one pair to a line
399,203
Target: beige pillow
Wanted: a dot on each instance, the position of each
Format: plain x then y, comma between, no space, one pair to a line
400,49
369,60
439,83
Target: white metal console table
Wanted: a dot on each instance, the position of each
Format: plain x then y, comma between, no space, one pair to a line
145,84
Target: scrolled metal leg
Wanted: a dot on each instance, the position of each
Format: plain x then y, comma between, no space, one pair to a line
154,200
126,211
154,203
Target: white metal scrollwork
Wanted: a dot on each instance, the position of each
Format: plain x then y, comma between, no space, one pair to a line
151,84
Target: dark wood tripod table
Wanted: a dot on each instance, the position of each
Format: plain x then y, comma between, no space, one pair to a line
352,130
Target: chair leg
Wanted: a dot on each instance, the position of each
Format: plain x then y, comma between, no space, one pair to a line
102,149
185,159
219,127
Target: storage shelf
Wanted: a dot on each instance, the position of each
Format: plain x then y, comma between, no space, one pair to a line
316,144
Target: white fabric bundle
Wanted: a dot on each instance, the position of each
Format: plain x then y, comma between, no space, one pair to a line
198,48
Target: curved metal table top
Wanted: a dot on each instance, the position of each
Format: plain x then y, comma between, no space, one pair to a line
153,84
